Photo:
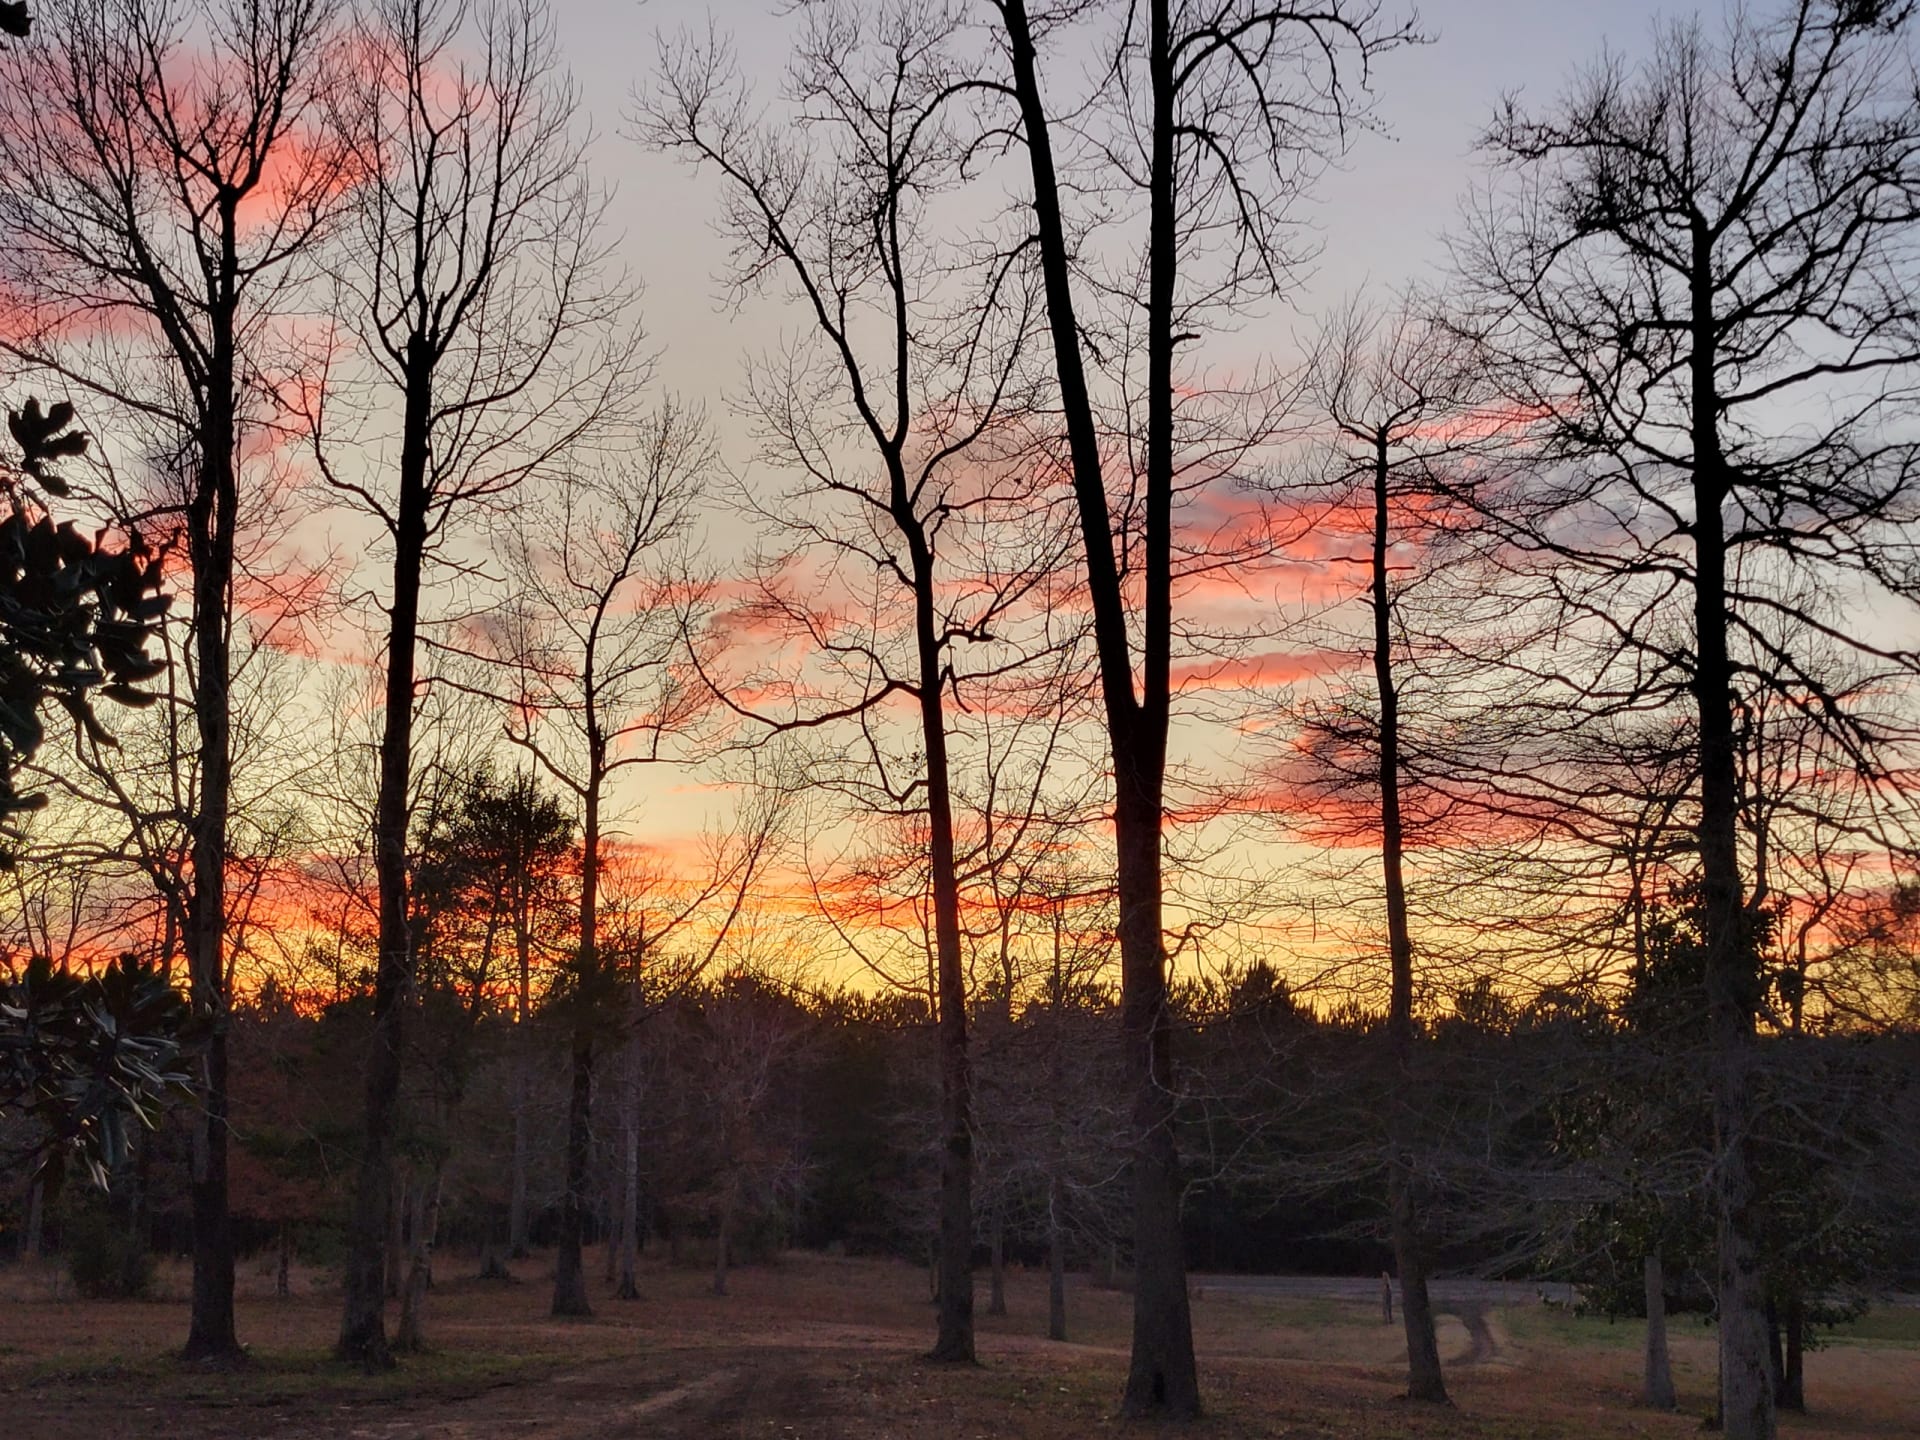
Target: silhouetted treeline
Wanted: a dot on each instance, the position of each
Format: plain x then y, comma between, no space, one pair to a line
811,1120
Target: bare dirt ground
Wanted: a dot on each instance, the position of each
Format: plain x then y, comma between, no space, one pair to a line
820,1347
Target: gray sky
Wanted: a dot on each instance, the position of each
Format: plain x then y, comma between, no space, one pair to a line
1380,217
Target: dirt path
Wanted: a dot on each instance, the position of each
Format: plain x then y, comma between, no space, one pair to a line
818,1349
1485,1343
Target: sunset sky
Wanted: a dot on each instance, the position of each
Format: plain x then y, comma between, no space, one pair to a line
1380,219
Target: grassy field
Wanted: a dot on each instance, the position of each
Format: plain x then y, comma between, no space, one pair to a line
820,1347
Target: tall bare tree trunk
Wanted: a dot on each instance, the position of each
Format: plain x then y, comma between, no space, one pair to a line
363,1324
953,1338
1746,1382
1656,1385
212,518
1424,1380
569,1271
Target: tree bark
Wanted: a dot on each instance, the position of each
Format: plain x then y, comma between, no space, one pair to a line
1424,1380
282,1275
1746,1384
1656,1386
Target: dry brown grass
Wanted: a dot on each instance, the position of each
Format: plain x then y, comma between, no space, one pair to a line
828,1348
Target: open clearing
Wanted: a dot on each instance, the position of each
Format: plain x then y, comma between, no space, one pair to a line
822,1347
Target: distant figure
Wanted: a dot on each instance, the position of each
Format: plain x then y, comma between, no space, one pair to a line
1386,1298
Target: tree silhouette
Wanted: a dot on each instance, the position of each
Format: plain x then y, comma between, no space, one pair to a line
1677,259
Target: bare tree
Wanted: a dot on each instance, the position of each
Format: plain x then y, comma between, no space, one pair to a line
1395,386
165,172
593,645
1684,253
483,307
914,535
1225,110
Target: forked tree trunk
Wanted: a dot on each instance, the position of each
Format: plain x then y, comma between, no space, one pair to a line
1161,1378
1656,1386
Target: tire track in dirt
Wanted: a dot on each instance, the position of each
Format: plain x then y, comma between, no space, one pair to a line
779,1389
591,1403
1483,1343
